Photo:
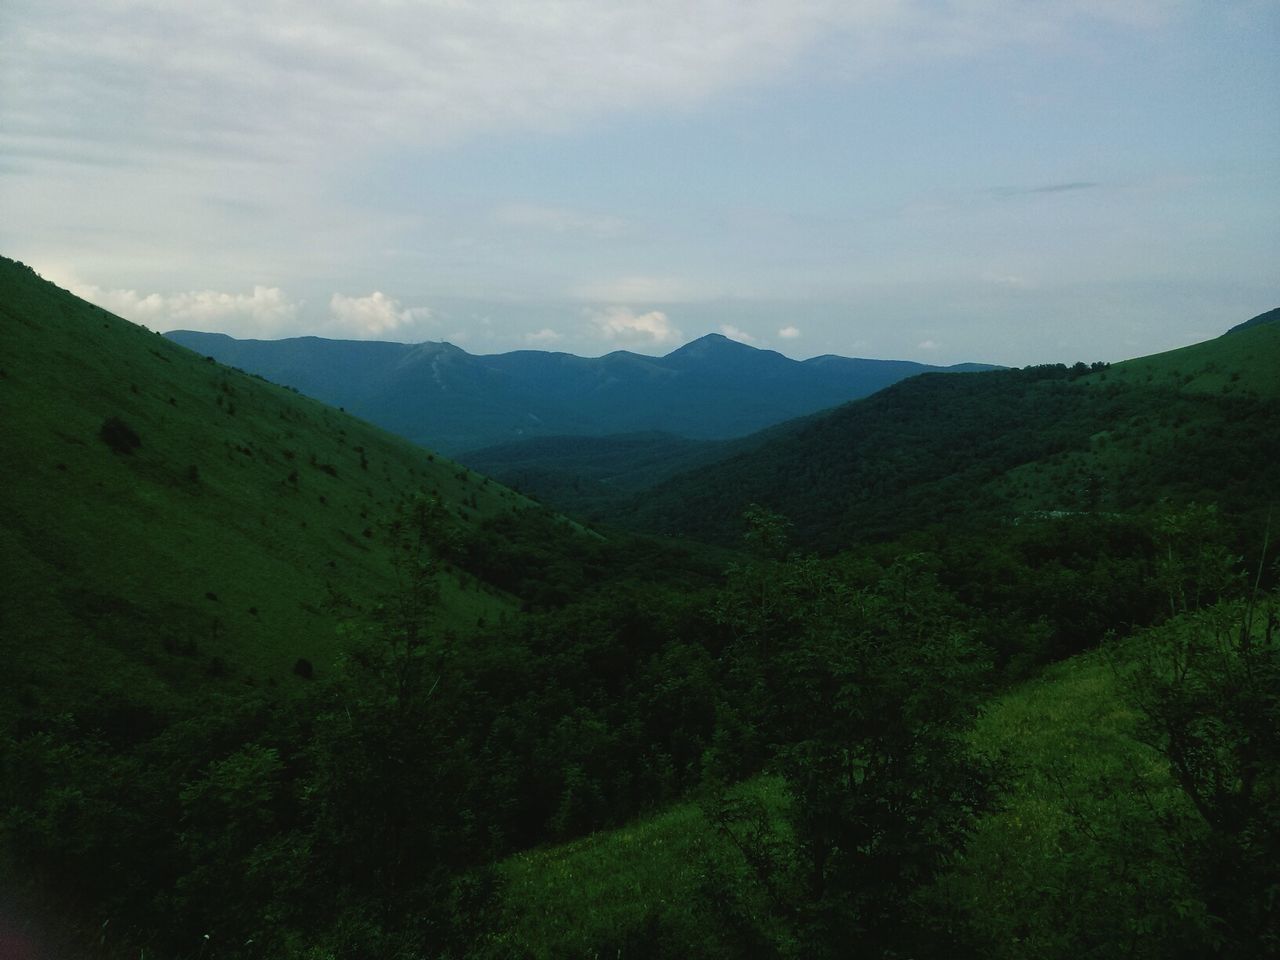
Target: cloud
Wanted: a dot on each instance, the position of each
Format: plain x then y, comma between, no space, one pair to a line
733,333
251,77
248,77
545,335
927,345
1064,187
265,310
1069,186
373,316
622,324
789,333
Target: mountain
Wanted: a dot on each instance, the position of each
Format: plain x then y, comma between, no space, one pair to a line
1196,424
443,397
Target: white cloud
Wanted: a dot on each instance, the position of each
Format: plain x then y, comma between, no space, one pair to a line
545,335
789,333
264,311
624,325
733,333
927,345
374,316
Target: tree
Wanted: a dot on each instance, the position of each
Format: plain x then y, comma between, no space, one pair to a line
861,695
1208,689
391,762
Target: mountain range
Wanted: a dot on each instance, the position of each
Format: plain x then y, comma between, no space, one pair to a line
440,396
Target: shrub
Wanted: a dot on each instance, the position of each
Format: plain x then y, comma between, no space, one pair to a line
119,436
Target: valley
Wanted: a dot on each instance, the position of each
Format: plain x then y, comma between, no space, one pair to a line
974,663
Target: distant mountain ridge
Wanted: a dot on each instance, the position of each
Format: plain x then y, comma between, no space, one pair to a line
439,395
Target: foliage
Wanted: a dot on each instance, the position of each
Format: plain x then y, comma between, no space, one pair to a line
1207,686
119,436
969,454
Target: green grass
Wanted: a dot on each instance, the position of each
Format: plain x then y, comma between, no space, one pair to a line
567,900
1074,863
223,535
1239,362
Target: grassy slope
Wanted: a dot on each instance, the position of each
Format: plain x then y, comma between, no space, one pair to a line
565,901
1240,362
1077,827
136,570
1032,870
1240,366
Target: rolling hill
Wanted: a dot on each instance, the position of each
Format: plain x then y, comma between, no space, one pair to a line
440,396
1196,424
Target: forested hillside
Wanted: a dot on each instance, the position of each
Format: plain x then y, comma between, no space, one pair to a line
1198,424
288,687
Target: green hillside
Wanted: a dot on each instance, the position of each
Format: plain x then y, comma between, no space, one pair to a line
1092,849
249,639
1193,425
1240,362
168,520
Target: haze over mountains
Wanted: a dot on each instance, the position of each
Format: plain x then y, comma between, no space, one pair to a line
442,397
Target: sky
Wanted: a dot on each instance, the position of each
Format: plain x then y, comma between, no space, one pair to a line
1008,181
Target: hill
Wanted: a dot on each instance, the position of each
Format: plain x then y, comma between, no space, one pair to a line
1191,425
1241,361
443,397
1271,316
219,597
171,524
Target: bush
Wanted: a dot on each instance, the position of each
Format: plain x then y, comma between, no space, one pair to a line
119,436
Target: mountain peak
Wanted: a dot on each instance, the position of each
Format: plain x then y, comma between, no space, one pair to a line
711,344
